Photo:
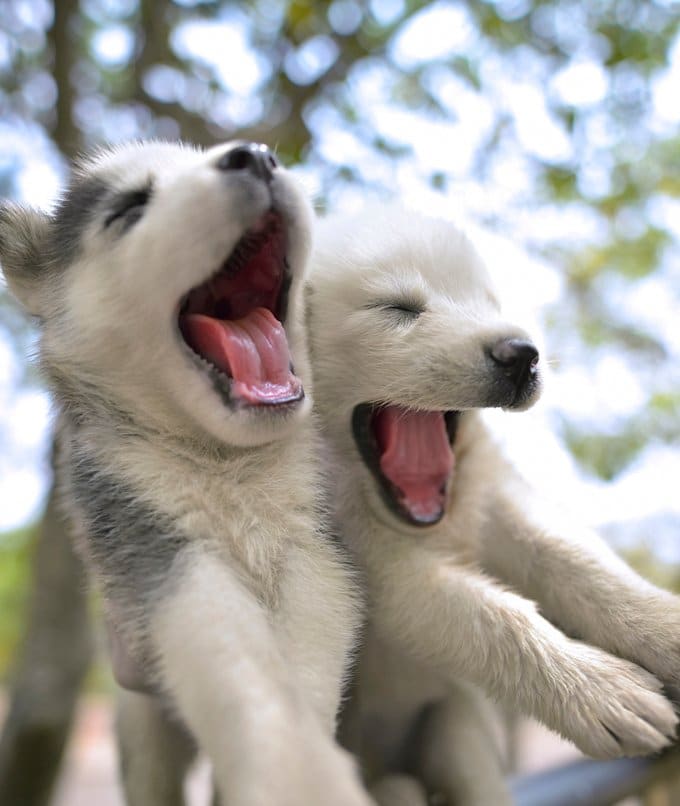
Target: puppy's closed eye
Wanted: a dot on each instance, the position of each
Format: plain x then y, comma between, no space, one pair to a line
405,308
128,208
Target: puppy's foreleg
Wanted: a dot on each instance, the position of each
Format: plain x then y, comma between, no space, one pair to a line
154,751
219,658
581,584
466,626
457,754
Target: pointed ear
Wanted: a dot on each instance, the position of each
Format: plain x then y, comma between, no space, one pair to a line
23,239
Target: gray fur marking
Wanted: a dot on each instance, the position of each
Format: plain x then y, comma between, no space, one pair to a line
132,545
74,214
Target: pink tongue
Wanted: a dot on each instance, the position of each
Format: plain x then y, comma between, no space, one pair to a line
252,350
416,457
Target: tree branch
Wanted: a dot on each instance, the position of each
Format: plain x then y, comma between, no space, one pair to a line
154,48
66,134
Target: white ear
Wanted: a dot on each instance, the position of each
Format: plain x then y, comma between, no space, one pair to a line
23,238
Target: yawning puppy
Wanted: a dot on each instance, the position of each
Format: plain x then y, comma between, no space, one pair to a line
408,344
167,285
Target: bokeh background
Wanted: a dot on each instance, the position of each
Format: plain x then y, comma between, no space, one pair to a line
550,129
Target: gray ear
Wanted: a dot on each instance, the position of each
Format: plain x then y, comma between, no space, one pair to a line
23,237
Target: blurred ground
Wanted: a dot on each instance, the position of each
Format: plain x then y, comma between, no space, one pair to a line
89,775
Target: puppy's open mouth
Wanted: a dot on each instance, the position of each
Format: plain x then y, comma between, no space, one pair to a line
411,456
233,321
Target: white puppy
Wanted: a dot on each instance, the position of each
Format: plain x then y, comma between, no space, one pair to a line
408,343
167,285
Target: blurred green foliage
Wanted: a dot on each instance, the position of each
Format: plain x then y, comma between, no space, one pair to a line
15,567
644,560
86,71
16,554
605,454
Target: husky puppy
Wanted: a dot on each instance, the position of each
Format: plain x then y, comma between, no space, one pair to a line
408,344
167,285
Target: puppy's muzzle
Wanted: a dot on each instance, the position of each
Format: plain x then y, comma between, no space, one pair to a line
254,158
517,360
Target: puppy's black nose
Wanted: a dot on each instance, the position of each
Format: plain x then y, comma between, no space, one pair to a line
517,358
255,158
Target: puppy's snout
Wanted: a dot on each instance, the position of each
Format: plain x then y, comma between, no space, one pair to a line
517,358
255,158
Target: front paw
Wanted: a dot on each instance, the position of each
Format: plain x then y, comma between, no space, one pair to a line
615,708
654,641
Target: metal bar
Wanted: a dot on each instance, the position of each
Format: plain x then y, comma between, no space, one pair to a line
594,783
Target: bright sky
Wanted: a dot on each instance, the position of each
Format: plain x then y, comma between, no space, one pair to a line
598,391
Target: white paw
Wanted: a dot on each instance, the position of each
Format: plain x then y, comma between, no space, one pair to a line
615,708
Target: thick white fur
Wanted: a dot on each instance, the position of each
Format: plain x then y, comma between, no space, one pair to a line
456,601
250,630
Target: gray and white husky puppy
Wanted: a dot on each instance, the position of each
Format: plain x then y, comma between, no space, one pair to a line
167,286
408,344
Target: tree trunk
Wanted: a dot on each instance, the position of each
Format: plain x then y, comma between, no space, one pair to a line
53,661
